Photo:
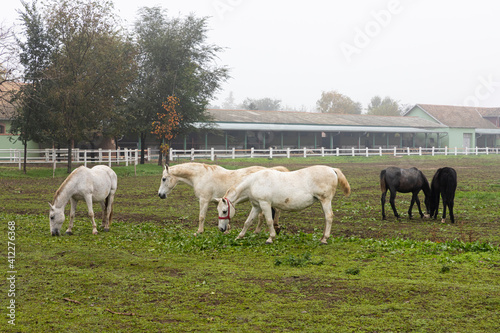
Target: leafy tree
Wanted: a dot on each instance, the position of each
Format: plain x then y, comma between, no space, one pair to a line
173,58
166,127
89,70
384,107
30,120
265,104
335,102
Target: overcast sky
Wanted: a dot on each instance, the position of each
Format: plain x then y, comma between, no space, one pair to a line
415,51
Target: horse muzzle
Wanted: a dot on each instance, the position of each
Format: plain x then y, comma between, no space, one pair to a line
55,232
162,195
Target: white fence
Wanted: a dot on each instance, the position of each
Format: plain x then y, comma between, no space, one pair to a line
131,156
80,156
212,154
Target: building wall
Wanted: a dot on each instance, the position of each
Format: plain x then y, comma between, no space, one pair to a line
5,138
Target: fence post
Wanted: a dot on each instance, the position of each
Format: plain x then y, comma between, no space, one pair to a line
109,158
288,152
322,151
352,152
305,152
432,150
125,151
252,150
456,152
233,153
337,151
419,151
367,154
271,152
85,158
477,151
380,151
395,151
212,154
445,150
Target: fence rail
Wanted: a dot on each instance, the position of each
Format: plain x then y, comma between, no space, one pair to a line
79,156
212,154
131,156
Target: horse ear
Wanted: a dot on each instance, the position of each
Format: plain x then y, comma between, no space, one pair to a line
51,207
166,167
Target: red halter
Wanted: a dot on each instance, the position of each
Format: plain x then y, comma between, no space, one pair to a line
228,217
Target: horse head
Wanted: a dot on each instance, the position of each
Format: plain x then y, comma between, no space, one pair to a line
226,213
168,182
56,219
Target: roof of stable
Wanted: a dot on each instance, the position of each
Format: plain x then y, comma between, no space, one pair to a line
461,116
309,121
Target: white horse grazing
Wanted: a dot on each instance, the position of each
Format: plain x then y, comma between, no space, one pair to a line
97,184
208,181
288,191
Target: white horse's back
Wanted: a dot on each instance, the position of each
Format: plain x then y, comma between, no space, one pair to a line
294,190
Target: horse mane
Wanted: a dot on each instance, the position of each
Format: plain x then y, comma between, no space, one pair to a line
64,183
188,170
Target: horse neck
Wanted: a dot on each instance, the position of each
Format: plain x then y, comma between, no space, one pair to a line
183,173
64,193
237,193
426,188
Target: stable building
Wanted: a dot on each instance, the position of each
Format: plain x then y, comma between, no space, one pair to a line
423,125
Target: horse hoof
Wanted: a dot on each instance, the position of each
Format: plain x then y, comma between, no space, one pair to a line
69,233
443,220
268,243
277,229
106,229
323,243
94,232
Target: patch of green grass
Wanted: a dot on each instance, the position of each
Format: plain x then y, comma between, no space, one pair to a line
150,273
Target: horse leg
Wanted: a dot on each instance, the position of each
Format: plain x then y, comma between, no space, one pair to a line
393,204
88,200
327,209
259,223
109,210
268,214
276,218
71,216
382,199
417,200
201,218
103,207
253,214
450,206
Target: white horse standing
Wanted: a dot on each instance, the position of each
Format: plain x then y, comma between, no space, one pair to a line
288,191
209,182
97,184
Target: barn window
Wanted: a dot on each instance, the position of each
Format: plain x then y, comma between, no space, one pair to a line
2,129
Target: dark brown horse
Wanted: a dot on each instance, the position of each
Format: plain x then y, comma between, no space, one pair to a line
444,184
411,180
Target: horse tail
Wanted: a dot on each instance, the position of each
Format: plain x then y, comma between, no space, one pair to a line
383,186
342,180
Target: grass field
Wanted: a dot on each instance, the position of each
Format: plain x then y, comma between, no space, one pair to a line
150,274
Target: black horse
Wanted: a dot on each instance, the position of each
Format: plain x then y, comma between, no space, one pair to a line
404,181
443,183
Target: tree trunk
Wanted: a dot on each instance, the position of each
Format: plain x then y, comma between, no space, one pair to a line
25,155
143,145
70,154
160,154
